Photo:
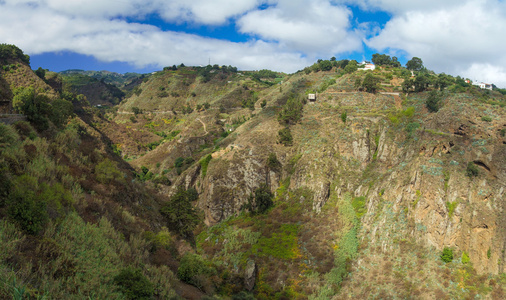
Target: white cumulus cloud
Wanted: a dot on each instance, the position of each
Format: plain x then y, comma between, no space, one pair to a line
214,12
316,27
457,37
138,44
452,38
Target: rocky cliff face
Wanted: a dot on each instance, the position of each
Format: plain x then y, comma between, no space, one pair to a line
420,172
404,170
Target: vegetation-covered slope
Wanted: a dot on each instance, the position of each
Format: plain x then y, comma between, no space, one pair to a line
390,185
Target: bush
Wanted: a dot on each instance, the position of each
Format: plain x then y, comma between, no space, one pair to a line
273,162
8,136
447,255
263,104
192,194
344,116
178,163
465,258
26,206
61,111
34,106
12,51
433,102
291,112
161,179
412,127
58,200
180,214
107,171
243,296
486,118
133,284
41,73
351,67
358,204
370,83
285,136
261,201
194,270
451,206
204,163
471,170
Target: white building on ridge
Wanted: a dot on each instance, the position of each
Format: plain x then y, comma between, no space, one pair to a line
482,85
367,66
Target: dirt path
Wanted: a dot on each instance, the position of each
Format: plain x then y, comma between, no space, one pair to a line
203,124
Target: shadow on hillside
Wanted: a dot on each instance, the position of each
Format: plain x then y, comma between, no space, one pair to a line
5,96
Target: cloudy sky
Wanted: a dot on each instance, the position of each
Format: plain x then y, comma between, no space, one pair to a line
458,37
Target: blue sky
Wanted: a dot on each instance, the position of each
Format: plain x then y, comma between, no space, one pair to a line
456,37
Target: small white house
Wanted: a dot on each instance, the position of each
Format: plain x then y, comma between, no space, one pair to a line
367,66
311,97
482,85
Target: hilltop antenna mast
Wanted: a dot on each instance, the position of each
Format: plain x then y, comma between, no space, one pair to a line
209,60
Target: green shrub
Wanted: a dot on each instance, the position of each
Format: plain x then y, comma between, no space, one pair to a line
351,67
263,103
180,214
471,170
261,201
243,296
451,207
161,179
36,107
323,87
193,269
133,284
11,51
273,162
160,240
61,111
409,112
107,171
291,112
358,204
178,163
465,258
434,101
447,255
26,206
344,116
411,127
204,163
8,136
192,194
285,136
58,200
486,118
370,83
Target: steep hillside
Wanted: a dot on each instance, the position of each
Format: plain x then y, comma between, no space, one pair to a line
206,182
97,92
74,221
419,179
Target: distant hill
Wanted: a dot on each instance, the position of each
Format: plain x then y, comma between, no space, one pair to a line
119,80
100,87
